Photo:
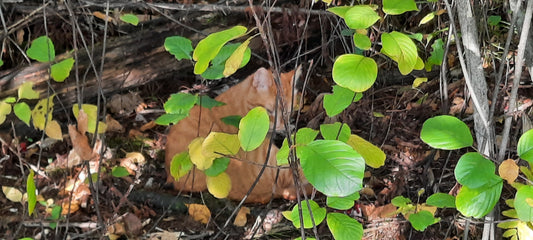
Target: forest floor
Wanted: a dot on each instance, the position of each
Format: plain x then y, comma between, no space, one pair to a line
391,117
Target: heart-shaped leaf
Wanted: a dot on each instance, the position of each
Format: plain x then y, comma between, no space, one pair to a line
355,72
446,132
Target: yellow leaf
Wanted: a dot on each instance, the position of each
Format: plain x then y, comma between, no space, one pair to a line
199,212
529,202
234,61
197,157
240,219
218,144
419,81
508,170
53,130
44,108
373,156
13,194
219,185
427,18
26,91
431,209
5,109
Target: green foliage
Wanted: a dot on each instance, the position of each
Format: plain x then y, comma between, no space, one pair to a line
397,7
446,132
26,91
344,227
340,99
305,136
42,50
180,165
177,108
400,48
5,109
179,46
523,203
525,146
92,117
494,20
209,103
333,167
334,131
437,54
355,72
441,200
342,203
253,128
208,48
360,17
478,202
362,41
374,157
233,120
119,171
31,190
130,18
318,214
219,165
60,71
422,219
218,64
475,171
23,112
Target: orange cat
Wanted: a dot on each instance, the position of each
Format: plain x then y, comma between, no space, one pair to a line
258,89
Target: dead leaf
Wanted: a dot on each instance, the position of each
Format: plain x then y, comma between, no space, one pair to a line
508,170
80,143
13,194
199,212
375,213
131,160
240,219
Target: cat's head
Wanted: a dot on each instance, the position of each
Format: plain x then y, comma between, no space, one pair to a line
266,94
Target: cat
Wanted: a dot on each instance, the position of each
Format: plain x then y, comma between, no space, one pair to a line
257,89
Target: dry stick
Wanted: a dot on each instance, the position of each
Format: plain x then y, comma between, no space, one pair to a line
516,81
501,68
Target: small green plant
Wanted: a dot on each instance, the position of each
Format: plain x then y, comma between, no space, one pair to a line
481,187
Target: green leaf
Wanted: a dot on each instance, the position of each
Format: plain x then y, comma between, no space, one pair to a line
355,72
437,54
340,99
475,171
441,200
362,41
305,136
208,102
446,132
525,146
208,48
26,91
421,220
318,214
179,46
360,17
282,157
397,7
32,196
494,20
169,118
180,103
218,144
180,165
119,171
215,71
61,70
401,49
510,213
524,210
332,167
335,131
42,50
253,128
342,203
233,120
478,202
56,213
374,157
340,11
130,18
343,227
400,201
23,112
219,165
1,63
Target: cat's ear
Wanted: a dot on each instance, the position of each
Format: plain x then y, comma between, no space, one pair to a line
262,79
